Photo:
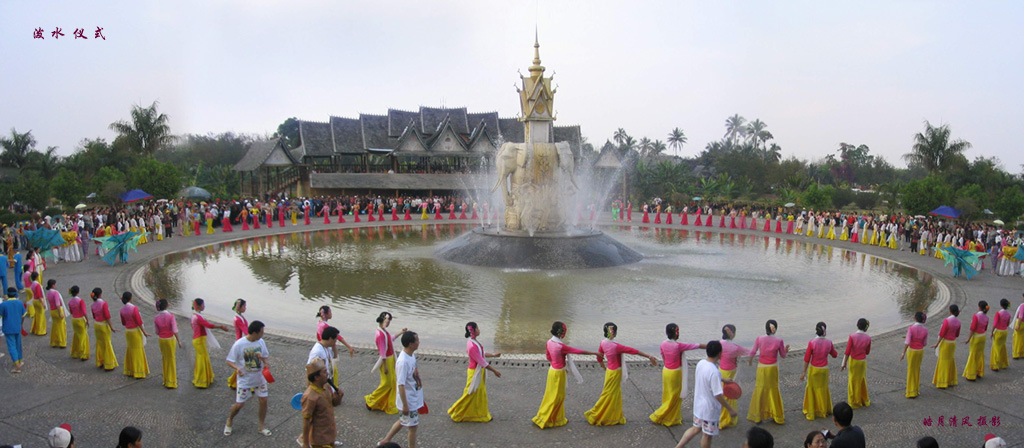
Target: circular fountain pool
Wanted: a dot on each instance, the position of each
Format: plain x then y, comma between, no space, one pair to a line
699,280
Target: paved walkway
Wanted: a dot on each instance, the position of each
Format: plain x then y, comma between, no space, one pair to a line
55,389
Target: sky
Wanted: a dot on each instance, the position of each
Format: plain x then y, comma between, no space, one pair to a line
817,73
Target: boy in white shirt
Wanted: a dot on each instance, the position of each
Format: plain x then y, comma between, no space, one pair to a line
410,390
707,398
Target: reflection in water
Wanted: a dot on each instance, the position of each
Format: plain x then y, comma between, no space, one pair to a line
689,277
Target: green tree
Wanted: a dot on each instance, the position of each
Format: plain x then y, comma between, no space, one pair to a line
107,175
620,136
1010,205
68,188
33,191
17,148
817,197
289,133
146,133
757,133
45,164
922,196
734,128
842,197
934,151
676,140
162,180
866,201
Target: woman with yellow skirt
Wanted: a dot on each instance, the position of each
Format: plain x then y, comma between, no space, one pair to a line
105,357
831,229
810,226
551,412
1000,360
858,347
945,367
608,409
55,304
202,342
167,331
135,363
383,398
38,306
472,406
728,366
975,367
817,397
673,378
1018,332
913,350
766,401
79,325
241,325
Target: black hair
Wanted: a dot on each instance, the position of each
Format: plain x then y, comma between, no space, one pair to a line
610,325
161,304
34,276
320,312
1004,303
329,333
381,317
51,283
759,438
862,324
468,326
770,327
389,445
920,317
726,334
408,338
12,292
74,290
238,304
312,376
810,438
983,306
819,328
672,331
927,442
954,310
843,414
558,328
126,297
97,293
713,349
24,268
129,435
255,327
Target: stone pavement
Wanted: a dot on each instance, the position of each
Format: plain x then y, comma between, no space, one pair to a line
55,389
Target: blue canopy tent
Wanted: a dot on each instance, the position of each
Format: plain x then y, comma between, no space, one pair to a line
135,195
946,212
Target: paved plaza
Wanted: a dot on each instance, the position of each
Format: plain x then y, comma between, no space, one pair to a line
54,389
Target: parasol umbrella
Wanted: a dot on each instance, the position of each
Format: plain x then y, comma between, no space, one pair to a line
998,222
789,204
697,198
919,216
117,246
946,212
135,195
987,212
194,193
91,196
80,206
963,260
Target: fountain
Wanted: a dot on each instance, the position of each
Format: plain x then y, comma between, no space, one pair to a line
535,178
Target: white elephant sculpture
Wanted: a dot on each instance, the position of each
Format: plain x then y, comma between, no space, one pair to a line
530,177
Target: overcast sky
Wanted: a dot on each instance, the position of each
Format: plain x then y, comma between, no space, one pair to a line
818,73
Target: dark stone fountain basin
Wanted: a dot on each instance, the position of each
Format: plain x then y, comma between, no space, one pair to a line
579,249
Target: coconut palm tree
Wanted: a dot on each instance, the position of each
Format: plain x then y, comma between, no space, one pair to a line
772,154
45,163
734,128
657,148
147,132
676,140
645,147
934,151
757,133
17,148
620,136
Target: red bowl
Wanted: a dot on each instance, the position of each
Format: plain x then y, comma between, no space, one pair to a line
732,391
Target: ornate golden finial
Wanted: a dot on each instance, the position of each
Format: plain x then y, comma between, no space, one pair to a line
536,69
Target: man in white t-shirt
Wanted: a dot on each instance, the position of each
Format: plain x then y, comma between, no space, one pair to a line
410,389
248,357
707,398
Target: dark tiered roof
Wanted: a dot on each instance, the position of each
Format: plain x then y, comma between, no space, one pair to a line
316,139
375,131
258,153
431,118
347,135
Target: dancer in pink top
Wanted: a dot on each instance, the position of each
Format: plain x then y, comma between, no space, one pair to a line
673,378
766,401
1000,325
913,350
728,366
608,409
945,367
858,346
552,407
975,367
817,397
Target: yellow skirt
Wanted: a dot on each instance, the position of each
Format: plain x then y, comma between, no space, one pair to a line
893,244
865,239
105,356
1018,342
209,227
59,330
945,367
608,409
844,236
766,401
135,363
817,397
233,380
295,218
914,358
38,317
383,398
726,420
202,376
669,414
810,230
79,339
831,233
168,347
159,235
976,358
472,407
999,359
857,387
552,407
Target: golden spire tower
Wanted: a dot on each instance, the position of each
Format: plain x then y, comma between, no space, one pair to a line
537,101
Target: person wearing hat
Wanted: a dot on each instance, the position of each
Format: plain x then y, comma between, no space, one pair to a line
60,437
991,441
318,425
12,311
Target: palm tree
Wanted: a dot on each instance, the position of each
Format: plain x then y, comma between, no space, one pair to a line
772,154
17,148
627,146
676,140
146,133
657,148
734,128
757,132
934,151
620,136
645,147
46,163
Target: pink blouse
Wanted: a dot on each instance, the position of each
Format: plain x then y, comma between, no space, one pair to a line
950,329
37,290
1002,320
77,307
53,299
818,351
384,344
100,311
320,326
979,323
613,351
476,354
199,326
242,327
556,352
858,346
770,347
731,351
166,326
672,353
917,336
130,316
